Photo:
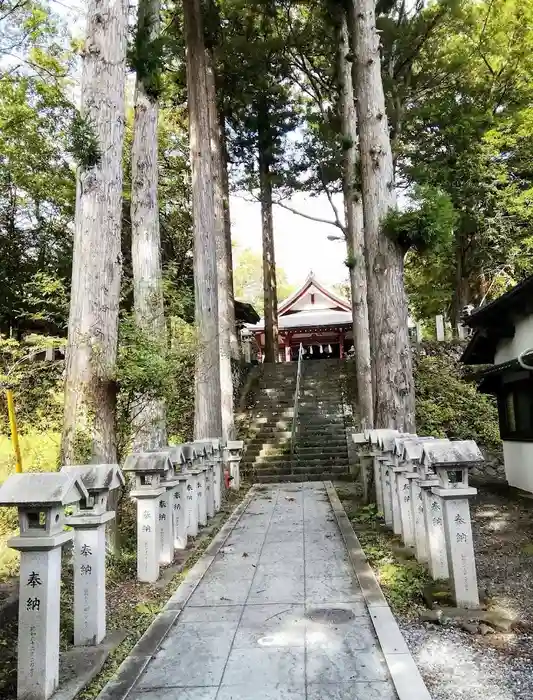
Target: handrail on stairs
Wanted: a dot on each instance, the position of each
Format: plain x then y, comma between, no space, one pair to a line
296,401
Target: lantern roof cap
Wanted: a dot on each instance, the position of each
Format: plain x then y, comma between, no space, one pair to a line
148,462
439,453
97,477
42,489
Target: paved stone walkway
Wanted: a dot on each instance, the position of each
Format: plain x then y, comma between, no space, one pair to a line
277,616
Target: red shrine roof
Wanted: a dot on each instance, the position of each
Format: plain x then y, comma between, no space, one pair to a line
312,306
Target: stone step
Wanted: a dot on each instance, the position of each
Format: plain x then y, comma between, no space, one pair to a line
283,461
321,431
312,451
267,429
320,422
319,444
298,478
298,469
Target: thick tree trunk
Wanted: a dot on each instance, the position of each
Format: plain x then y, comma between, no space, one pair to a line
387,305
90,392
355,237
149,418
267,225
462,292
234,336
207,411
225,318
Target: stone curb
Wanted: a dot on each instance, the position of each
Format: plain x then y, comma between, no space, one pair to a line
142,653
402,667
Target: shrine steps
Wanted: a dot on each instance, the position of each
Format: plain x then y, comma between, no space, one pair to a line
320,449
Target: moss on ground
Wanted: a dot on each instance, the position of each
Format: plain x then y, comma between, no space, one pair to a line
400,576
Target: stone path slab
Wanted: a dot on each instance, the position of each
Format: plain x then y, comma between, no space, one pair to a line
278,615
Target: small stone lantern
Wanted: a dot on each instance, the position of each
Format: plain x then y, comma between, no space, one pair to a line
149,470
234,449
41,501
374,439
192,473
430,544
388,482
207,445
366,460
179,496
402,473
218,476
202,465
451,462
88,522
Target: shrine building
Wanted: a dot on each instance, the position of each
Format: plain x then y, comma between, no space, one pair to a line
313,316
503,340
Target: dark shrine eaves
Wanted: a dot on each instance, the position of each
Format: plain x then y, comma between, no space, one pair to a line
495,321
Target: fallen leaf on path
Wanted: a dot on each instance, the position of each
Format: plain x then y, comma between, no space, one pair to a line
245,554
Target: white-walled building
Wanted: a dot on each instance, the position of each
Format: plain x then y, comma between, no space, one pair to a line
503,338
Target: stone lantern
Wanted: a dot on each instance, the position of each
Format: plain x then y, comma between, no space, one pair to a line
385,444
403,473
179,496
202,463
234,449
389,469
451,463
373,439
149,470
191,502
430,545
88,522
41,501
218,475
207,445
366,460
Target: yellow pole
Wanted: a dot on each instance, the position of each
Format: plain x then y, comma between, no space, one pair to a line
14,432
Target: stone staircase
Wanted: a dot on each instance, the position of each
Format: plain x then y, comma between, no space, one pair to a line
320,446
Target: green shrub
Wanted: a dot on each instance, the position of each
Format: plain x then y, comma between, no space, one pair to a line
446,404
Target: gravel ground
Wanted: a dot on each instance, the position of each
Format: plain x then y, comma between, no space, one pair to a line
458,665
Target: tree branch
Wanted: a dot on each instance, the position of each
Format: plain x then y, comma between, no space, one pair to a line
318,219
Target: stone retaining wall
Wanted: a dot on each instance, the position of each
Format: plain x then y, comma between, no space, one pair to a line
492,471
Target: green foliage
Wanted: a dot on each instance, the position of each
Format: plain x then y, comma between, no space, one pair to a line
149,370
466,129
427,224
146,56
449,406
83,143
36,383
248,280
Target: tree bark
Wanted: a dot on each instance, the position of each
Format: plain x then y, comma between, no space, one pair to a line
234,336
389,339
225,318
90,391
207,410
355,238
149,419
267,224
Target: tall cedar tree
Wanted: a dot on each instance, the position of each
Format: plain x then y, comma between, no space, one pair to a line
207,411
354,224
225,319
394,405
149,416
90,392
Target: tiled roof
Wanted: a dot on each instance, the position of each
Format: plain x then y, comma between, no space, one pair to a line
307,319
